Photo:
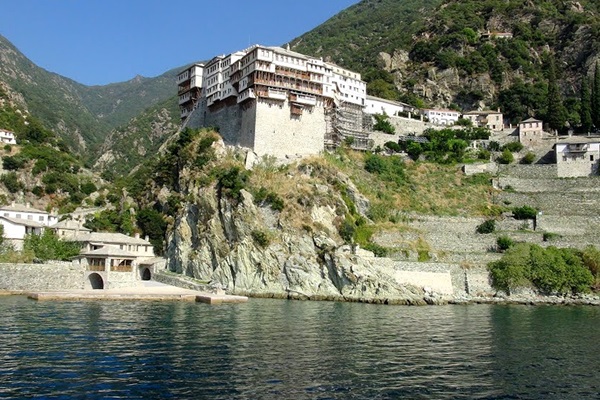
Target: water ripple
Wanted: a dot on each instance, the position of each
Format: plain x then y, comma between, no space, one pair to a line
295,350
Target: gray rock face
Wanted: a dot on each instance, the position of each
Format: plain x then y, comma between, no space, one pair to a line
214,239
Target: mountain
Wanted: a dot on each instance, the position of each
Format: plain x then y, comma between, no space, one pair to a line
129,145
82,115
450,53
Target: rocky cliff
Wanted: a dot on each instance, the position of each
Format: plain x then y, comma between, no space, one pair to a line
253,250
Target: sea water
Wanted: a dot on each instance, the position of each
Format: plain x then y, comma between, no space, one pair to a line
274,349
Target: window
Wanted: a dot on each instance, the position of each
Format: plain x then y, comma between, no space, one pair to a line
591,157
18,216
30,217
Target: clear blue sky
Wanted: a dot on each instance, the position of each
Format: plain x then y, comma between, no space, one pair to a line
96,42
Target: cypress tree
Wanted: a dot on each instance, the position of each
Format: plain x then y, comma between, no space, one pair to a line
556,115
596,97
586,105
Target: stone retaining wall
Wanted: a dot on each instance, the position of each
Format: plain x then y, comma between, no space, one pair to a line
180,281
51,276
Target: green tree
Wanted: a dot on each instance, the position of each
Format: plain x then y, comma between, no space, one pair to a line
596,97
383,124
556,114
586,106
48,246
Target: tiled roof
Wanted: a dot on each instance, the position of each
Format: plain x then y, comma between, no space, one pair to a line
71,225
108,251
24,222
22,208
107,237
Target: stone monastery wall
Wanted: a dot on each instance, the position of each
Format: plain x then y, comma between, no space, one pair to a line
281,134
52,276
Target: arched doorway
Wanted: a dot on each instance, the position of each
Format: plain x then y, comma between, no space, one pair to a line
146,274
96,281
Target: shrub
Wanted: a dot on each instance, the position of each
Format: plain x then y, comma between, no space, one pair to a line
550,270
504,243
524,212
484,154
11,181
488,226
506,157
529,158
264,196
382,124
549,236
232,181
48,246
493,146
260,238
395,147
513,146
13,163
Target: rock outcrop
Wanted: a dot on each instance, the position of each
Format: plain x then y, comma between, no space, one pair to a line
228,243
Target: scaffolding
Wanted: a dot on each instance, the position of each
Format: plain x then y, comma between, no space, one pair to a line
345,123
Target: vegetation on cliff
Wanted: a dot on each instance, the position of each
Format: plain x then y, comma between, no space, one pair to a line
549,270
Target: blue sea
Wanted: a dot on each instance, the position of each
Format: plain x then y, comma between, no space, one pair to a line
276,349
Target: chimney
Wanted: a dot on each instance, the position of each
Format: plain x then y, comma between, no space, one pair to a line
12,203
147,238
28,204
136,235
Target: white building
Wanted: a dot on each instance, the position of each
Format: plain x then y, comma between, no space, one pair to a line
441,117
577,156
375,105
493,120
68,228
7,137
19,220
531,132
189,87
274,100
113,259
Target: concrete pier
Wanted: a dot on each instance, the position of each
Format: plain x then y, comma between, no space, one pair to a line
152,291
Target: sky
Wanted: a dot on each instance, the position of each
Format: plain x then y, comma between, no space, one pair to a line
96,42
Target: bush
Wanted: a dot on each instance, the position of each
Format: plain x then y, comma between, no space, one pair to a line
514,147
550,236
232,181
506,157
11,181
488,226
48,246
529,158
484,154
504,243
493,146
524,212
550,270
264,196
395,147
260,238
382,124
13,163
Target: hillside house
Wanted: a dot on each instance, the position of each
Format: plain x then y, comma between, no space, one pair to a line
189,88
68,228
375,105
531,132
496,35
19,220
113,259
441,117
577,156
7,137
493,120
